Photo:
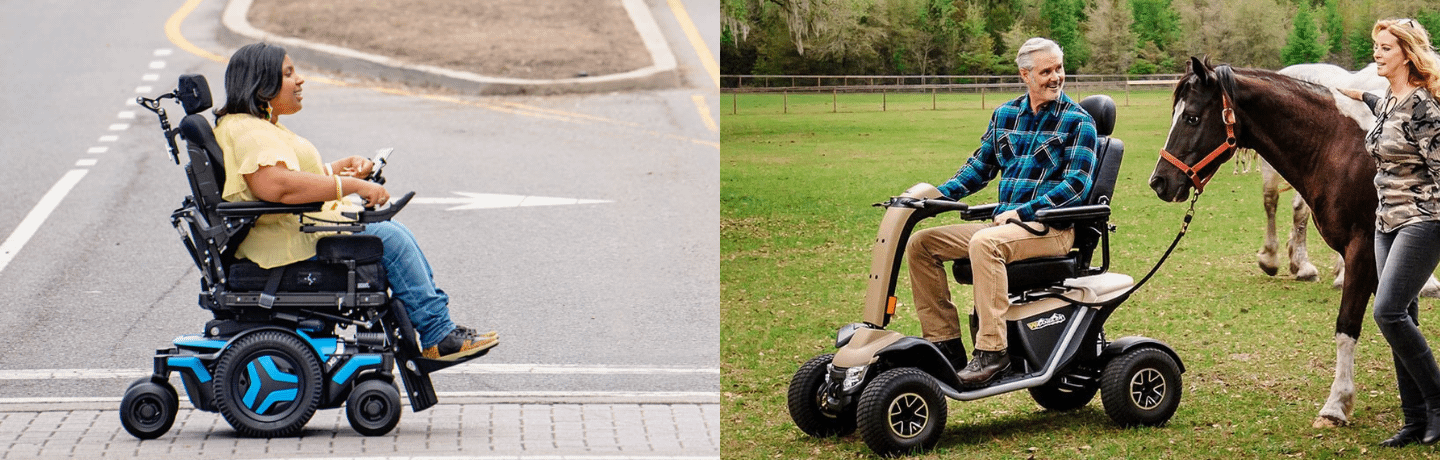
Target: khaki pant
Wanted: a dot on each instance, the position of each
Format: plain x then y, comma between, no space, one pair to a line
988,246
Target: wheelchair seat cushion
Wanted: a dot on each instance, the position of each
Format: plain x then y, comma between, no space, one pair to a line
307,276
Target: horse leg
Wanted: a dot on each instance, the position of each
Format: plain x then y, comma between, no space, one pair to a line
1339,272
1431,289
1359,285
1267,258
1300,264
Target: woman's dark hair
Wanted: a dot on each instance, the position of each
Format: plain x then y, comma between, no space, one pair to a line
252,79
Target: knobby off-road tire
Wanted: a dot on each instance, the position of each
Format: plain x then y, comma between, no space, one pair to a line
902,411
1141,387
268,384
804,399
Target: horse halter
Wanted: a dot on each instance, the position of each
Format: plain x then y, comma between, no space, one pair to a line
1222,152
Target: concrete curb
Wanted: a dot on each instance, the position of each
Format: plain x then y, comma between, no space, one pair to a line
236,31
446,399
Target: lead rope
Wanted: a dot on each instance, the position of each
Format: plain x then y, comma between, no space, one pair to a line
1184,227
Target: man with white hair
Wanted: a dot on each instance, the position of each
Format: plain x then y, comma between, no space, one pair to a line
1042,146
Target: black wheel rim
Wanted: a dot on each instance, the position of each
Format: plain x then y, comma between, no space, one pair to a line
268,386
908,415
1147,389
374,409
147,411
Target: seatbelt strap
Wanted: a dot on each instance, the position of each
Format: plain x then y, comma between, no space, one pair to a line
272,285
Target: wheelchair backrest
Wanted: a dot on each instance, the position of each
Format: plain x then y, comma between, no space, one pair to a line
1109,152
206,170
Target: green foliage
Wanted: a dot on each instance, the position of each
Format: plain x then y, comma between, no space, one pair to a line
1063,17
963,37
1303,45
1334,33
1155,22
1111,37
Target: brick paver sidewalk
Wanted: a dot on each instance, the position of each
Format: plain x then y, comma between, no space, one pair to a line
490,431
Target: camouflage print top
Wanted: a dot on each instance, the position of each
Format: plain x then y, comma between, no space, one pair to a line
1406,145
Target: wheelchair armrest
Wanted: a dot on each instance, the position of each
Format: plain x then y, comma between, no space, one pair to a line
374,215
257,208
981,212
1073,213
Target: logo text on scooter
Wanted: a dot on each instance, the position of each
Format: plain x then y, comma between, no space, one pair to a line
1046,322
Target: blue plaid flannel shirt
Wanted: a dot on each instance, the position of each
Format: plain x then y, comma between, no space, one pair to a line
1044,160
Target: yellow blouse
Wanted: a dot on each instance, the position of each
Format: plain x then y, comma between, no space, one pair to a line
250,143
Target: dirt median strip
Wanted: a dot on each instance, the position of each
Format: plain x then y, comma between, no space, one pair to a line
502,38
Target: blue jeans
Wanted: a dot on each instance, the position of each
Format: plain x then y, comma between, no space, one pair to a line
413,282
1405,259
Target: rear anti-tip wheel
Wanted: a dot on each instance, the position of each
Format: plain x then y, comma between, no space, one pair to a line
373,407
148,408
902,411
1141,387
806,400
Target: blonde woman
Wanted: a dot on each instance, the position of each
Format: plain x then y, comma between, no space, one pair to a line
1405,143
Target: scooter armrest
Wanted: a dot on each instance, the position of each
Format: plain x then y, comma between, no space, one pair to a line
1073,213
982,212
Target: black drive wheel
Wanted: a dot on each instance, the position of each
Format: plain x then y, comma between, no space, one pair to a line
1141,387
148,408
267,384
1060,399
901,411
807,392
373,407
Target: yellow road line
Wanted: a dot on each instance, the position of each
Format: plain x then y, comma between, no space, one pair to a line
707,58
172,32
705,112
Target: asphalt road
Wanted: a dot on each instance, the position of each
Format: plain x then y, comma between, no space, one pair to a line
620,295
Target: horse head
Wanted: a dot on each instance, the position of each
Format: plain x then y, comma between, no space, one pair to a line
1202,132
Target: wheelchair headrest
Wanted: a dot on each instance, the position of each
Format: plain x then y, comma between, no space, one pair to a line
1102,109
194,93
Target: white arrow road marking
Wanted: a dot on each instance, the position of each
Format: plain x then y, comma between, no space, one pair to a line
468,200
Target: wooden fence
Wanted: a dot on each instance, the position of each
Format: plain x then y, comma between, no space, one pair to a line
933,84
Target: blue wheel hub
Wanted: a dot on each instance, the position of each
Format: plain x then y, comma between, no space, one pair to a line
269,385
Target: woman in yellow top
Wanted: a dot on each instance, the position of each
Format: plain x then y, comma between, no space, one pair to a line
265,161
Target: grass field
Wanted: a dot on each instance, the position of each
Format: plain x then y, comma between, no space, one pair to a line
796,228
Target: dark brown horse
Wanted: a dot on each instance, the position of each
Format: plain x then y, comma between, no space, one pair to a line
1298,127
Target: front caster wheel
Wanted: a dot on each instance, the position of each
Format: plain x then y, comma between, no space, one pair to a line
902,411
373,407
1141,387
806,400
148,409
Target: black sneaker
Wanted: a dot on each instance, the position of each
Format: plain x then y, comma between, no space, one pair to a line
459,343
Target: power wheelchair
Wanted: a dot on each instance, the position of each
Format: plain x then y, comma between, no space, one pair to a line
287,341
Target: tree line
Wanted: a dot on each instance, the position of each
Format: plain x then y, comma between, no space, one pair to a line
981,37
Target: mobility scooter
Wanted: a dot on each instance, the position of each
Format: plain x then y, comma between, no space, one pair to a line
892,388
286,341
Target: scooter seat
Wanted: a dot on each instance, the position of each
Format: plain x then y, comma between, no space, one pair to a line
1028,274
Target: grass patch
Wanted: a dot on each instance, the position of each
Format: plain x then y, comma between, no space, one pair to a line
796,228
